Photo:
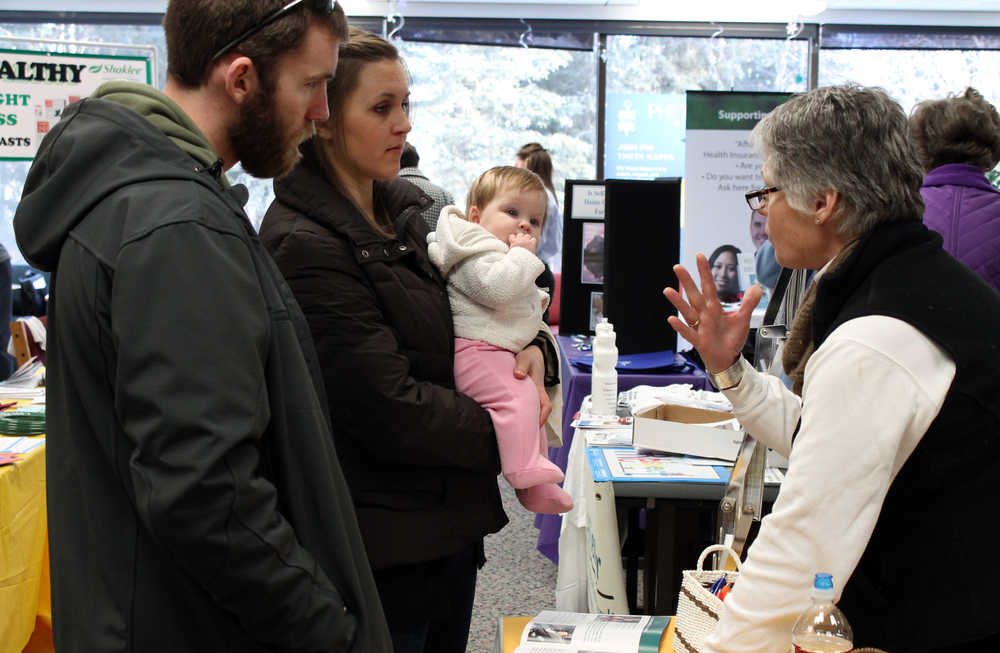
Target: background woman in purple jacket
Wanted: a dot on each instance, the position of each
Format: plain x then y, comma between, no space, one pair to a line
957,140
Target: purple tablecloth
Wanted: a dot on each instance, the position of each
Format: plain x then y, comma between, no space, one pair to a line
576,386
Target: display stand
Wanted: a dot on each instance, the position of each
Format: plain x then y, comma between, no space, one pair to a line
642,236
582,293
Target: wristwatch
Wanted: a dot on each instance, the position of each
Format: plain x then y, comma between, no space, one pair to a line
729,377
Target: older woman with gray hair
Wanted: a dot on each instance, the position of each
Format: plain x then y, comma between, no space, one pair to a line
892,429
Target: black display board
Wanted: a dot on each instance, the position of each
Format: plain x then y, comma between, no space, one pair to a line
642,235
580,301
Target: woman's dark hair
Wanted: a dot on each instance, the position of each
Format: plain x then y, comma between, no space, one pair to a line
956,129
722,249
727,293
409,158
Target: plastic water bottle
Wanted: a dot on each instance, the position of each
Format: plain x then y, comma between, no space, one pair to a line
822,628
603,375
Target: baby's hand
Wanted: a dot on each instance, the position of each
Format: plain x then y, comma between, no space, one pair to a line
521,239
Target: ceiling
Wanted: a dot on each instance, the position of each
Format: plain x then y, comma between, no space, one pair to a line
984,13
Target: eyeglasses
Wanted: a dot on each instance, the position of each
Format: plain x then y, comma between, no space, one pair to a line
324,7
757,199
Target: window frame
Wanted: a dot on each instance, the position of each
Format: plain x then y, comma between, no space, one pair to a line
581,35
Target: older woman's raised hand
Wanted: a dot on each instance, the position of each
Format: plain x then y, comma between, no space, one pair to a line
716,334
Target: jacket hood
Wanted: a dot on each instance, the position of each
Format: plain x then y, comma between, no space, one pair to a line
164,114
98,147
455,239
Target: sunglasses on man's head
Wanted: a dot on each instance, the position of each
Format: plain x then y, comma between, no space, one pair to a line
324,7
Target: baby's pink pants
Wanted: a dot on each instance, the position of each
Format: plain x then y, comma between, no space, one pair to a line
485,372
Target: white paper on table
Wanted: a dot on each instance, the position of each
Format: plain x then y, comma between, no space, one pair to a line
636,466
708,462
19,444
602,422
607,437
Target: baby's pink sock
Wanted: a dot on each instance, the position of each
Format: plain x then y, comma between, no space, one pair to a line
545,472
547,498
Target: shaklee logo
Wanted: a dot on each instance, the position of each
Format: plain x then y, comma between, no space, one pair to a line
119,69
40,71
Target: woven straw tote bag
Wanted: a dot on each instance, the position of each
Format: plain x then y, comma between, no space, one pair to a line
698,609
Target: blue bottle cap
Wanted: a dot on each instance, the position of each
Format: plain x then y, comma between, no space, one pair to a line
823,582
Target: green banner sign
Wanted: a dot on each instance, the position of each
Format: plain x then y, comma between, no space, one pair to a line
730,110
35,87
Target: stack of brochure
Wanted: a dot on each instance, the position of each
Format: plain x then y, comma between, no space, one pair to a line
645,397
26,420
25,382
575,632
603,431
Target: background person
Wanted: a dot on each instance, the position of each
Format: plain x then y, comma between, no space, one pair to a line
957,140
725,267
195,500
7,362
409,171
892,428
535,158
765,265
420,458
489,262
758,229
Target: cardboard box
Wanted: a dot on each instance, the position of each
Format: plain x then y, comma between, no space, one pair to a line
685,414
689,431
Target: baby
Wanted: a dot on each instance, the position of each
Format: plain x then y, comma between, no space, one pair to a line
489,262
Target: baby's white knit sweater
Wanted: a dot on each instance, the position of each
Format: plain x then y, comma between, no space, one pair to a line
491,286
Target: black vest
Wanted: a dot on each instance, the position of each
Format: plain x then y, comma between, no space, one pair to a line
928,576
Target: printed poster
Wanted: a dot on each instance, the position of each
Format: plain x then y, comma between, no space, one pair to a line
35,88
720,167
644,135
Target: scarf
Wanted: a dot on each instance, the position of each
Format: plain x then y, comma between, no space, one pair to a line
800,343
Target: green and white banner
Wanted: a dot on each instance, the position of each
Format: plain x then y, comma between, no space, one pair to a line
720,167
35,87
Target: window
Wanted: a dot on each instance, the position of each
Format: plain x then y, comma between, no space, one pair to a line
911,75
647,79
914,66
474,106
12,173
477,96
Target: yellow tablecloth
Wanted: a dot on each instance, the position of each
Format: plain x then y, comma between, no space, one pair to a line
25,612
514,626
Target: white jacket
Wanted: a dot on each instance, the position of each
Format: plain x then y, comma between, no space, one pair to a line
491,286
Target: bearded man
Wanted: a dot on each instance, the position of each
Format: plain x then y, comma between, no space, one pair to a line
195,499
